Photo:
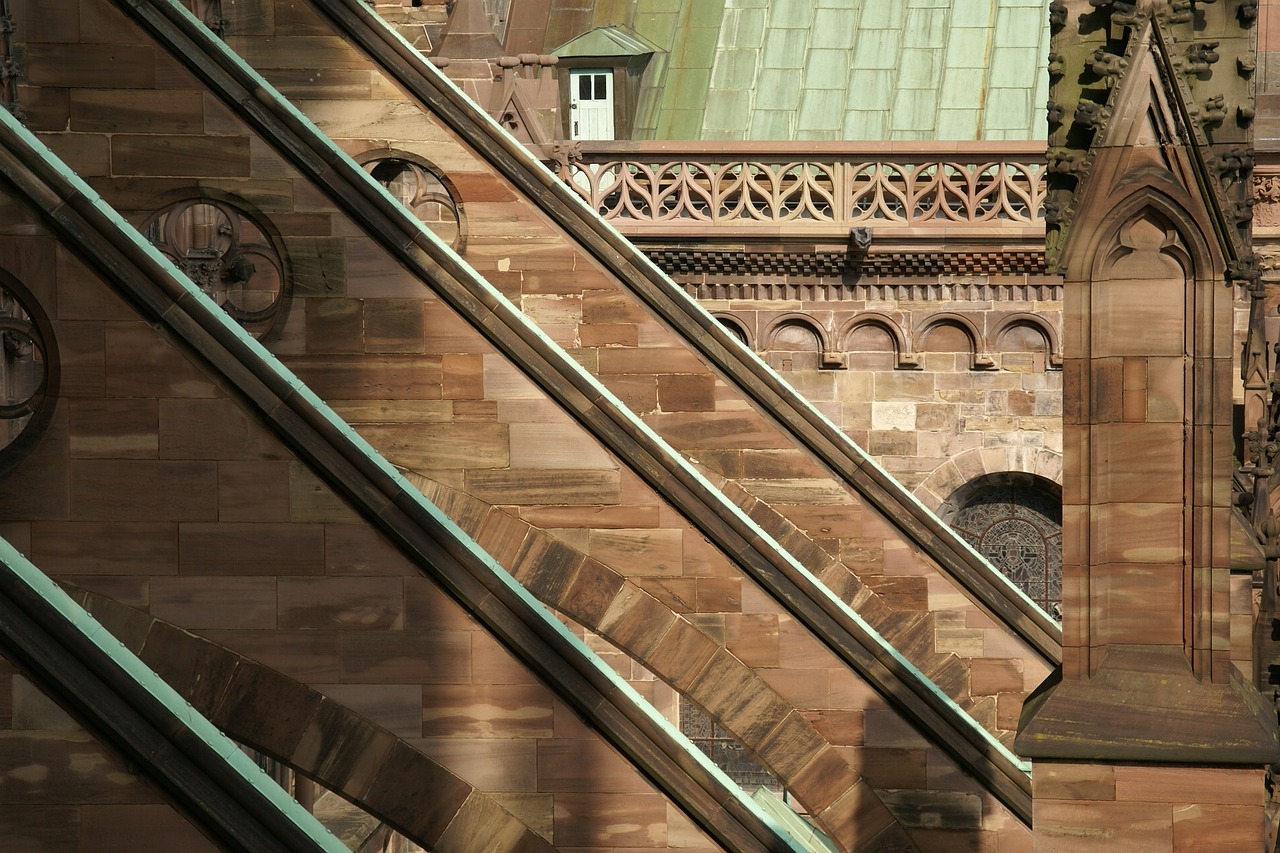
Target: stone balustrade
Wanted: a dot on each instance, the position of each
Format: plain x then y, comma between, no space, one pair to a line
813,190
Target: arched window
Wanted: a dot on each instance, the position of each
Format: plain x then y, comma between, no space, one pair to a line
1015,521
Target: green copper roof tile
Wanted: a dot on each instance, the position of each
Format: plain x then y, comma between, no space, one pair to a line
821,109
680,124
866,124
778,89
883,14
659,7
772,124
827,69
695,47
967,47
913,109
870,90
877,49
796,14
1008,109
657,28
1019,26
920,69
962,89
728,110
725,135
925,28
957,124
734,69
887,54
1009,67
785,48
702,13
750,27
974,13
606,13
835,28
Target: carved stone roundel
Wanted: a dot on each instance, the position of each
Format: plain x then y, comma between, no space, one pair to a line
24,366
228,254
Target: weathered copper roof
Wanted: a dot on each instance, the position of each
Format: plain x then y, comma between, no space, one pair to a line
830,69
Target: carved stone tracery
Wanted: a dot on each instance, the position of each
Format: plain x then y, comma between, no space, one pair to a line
25,366
424,190
839,192
228,254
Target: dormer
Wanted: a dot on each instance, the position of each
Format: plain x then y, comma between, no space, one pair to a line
601,82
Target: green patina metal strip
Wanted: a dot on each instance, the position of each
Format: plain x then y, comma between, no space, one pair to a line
74,619
814,839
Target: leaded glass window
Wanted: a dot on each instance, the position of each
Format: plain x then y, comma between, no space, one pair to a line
725,751
1015,521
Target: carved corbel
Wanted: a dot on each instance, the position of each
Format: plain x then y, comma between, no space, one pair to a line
1092,114
1212,111
1242,211
1200,55
1125,14
1107,65
1053,211
1057,14
1062,161
1244,271
1178,11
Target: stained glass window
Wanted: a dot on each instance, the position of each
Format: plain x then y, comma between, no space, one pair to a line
725,751
1015,521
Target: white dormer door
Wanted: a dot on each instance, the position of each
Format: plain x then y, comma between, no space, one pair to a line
590,103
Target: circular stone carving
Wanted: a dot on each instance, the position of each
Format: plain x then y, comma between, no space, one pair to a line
423,192
228,254
24,367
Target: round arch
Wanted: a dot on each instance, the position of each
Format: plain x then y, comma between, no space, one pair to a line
1014,519
733,326
795,320
903,355
1024,319
979,358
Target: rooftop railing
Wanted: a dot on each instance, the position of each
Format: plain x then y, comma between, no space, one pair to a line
813,189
